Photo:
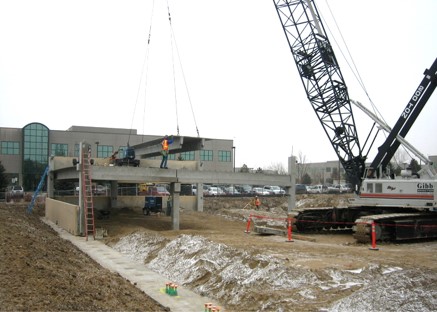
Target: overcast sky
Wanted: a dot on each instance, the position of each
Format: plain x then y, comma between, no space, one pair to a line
88,63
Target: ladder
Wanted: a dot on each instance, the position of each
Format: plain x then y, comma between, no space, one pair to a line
87,193
38,189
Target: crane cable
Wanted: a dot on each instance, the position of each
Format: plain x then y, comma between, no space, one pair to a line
356,72
145,64
174,73
353,68
173,40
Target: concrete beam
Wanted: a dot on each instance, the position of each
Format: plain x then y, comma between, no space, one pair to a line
180,144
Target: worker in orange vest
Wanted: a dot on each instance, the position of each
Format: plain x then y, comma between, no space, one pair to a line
164,151
257,202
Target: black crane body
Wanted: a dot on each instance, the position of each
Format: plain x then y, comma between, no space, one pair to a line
402,209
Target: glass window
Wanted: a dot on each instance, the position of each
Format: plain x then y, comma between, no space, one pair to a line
187,155
369,187
59,149
76,150
171,156
224,156
206,155
10,148
104,151
378,187
35,153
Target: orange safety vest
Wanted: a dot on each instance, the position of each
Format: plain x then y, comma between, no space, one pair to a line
257,202
164,145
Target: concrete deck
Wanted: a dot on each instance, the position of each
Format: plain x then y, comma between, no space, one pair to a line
135,272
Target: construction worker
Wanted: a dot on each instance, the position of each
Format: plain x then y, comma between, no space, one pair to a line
257,202
164,151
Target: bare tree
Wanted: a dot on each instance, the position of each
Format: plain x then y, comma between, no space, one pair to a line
278,167
302,166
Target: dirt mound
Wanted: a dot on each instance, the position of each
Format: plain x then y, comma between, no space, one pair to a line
41,272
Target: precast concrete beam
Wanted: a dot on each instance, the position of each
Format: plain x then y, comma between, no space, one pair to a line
180,144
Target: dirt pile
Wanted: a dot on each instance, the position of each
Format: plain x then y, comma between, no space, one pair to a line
39,271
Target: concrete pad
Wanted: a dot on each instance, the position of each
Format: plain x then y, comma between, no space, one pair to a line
135,272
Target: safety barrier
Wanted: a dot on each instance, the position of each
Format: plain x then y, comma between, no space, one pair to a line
289,221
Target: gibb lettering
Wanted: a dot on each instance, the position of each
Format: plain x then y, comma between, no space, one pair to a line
413,102
427,186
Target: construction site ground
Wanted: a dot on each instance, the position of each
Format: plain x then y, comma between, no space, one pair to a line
213,256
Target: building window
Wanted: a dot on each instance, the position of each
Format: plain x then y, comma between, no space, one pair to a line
104,151
36,143
76,150
10,148
59,149
206,155
187,156
328,169
171,156
224,156
35,154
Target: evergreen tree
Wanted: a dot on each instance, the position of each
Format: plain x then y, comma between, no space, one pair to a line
3,179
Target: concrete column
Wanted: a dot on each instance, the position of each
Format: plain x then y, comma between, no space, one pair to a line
114,193
291,191
199,197
50,183
175,189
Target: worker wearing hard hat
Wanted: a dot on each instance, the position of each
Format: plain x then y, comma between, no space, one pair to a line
164,151
257,202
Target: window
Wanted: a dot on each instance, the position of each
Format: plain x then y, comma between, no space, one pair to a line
104,151
370,187
378,187
187,155
206,155
224,156
328,169
76,150
10,148
35,154
36,143
171,156
59,149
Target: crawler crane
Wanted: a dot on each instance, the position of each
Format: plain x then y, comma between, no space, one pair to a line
401,208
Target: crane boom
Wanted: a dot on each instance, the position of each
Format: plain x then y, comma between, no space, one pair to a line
406,120
323,81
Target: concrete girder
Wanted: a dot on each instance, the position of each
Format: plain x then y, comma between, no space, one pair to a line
180,144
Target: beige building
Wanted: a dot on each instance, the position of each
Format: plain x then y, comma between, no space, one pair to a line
24,152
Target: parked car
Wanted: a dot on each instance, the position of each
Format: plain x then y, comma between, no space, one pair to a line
100,190
317,189
215,191
345,188
301,189
16,191
232,191
333,189
260,191
268,189
277,190
244,189
157,191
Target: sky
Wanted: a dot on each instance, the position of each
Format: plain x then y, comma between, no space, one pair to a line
223,69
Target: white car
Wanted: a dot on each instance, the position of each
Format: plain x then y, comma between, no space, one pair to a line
317,189
214,190
277,190
260,191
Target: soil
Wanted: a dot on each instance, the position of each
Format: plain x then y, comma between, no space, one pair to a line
40,271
